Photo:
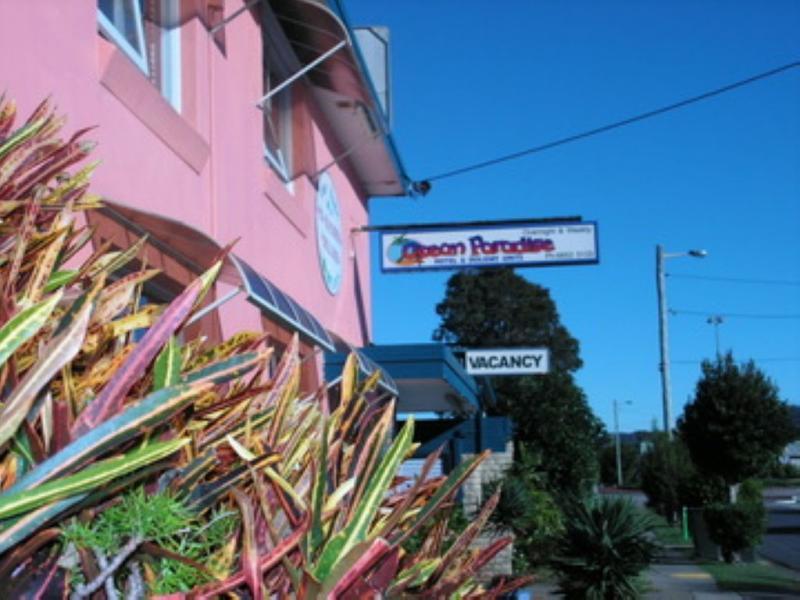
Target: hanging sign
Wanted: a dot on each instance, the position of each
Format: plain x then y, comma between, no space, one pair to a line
517,245
329,234
508,361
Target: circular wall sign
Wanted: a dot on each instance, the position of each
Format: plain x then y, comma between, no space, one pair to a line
329,234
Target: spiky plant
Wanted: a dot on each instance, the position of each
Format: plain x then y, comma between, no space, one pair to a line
94,420
605,545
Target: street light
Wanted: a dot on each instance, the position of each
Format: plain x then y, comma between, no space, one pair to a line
661,284
619,450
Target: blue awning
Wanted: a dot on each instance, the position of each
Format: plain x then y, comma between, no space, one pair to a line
269,298
334,363
429,378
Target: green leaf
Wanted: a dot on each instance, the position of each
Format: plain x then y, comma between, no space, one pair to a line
167,371
19,529
452,483
154,410
58,352
224,370
21,135
90,478
317,535
24,326
60,279
415,575
120,259
356,530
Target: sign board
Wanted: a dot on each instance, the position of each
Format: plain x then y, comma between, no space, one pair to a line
329,234
513,245
508,361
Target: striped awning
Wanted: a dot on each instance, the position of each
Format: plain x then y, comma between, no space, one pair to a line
198,251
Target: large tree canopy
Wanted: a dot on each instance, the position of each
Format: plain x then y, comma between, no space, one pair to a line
498,308
736,425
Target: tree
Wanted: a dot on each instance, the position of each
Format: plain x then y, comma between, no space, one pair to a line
498,308
630,460
736,424
671,480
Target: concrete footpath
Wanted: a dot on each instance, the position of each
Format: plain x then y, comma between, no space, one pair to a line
667,582
683,582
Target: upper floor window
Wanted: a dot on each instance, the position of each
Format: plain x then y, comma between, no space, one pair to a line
148,32
277,111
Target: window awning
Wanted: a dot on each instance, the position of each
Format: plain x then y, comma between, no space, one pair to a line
197,251
344,93
269,298
332,64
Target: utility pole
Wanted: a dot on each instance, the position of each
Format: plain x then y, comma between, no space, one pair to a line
661,285
619,448
716,321
666,392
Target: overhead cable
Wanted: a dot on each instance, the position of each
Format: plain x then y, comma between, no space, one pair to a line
736,279
756,360
702,313
615,125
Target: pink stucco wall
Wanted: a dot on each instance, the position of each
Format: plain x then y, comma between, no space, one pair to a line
205,166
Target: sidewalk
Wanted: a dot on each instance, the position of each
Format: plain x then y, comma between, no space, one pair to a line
667,582
684,582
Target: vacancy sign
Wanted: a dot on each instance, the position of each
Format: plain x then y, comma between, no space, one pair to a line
512,245
508,361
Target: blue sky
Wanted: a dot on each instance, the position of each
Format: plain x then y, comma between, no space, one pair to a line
474,80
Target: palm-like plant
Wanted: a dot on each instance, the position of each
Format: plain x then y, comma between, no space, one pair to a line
604,547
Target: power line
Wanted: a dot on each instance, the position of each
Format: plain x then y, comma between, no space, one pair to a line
736,279
701,313
756,360
617,124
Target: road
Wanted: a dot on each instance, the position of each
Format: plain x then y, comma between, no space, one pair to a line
781,543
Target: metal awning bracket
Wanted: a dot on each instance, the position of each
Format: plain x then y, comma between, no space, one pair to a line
247,6
214,305
305,69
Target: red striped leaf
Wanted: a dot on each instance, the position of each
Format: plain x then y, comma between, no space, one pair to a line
111,398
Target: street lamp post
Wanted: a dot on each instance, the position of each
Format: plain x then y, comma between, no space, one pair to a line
663,334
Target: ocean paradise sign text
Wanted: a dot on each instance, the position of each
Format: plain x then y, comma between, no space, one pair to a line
525,245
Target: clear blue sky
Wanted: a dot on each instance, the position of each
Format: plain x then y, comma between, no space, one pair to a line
473,80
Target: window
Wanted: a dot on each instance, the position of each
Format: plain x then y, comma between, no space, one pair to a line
148,32
121,21
277,111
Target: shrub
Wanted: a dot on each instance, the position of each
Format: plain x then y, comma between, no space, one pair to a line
131,448
527,511
735,527
671,480
699,489
606,543
663,467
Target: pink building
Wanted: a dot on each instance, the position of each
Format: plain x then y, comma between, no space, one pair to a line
203,142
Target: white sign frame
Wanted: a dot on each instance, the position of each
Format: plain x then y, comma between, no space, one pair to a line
507,361
514,245
330,241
